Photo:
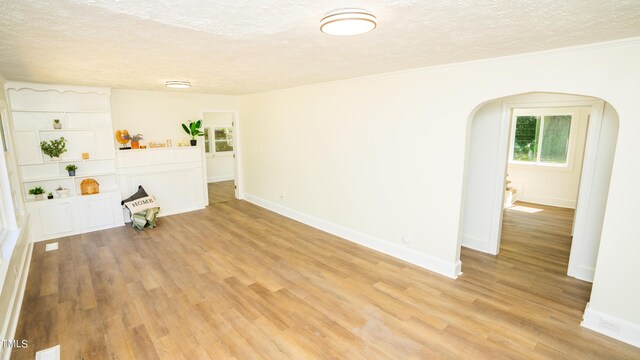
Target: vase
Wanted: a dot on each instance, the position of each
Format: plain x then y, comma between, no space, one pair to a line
57,125
55,158
39,197
135,145
72,172
194,142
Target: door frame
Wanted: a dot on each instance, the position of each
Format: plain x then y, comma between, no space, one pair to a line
586,178
237,170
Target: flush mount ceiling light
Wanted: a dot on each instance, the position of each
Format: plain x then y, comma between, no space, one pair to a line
178,84
348,22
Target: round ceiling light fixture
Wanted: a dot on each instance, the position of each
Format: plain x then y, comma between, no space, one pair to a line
178,84
348,22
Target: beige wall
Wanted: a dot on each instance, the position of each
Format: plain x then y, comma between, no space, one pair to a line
158,114
383,157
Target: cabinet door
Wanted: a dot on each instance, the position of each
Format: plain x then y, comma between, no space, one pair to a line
99,212
56,219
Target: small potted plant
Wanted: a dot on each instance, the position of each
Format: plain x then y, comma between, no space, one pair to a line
62,192
37,192
193,129
50,196
71,169
57,124
54,148
135,141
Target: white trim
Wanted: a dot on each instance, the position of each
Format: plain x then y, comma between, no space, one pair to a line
18,85
478,244
627,332
52,353
16,300
586,188
220,178
446,268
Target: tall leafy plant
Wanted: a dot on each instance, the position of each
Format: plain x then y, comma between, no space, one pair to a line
193,129
54,148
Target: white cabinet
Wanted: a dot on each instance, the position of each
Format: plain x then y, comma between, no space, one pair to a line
54,219
175,176
50,219
85,119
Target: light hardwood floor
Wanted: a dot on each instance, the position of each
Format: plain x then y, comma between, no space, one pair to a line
237,281
221,191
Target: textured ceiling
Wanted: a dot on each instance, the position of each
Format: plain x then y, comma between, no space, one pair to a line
245,46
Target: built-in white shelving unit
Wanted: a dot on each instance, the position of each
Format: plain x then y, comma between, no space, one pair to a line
85,116
174,175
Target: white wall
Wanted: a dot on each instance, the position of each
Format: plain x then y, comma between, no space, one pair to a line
219,167
158,114
550,185
480,224
382,158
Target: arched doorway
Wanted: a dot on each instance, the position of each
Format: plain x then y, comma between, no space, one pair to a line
489,135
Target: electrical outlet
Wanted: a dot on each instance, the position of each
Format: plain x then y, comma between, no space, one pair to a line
281,196
51,246
405,239
609,325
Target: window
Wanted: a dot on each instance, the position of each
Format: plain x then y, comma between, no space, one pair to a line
541,139
221,142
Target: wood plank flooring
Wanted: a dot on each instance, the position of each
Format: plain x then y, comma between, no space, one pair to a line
235,281
221,191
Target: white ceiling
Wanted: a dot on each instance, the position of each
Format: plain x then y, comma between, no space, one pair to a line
245,46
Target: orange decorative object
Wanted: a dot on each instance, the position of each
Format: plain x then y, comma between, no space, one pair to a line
85,156
135,145
122,136
89,187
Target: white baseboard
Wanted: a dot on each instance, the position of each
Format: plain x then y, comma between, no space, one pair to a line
611,326
549,201
477,244
446,268
214,179
583,273
15,304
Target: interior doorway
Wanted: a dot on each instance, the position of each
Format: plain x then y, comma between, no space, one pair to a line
491,150
220,155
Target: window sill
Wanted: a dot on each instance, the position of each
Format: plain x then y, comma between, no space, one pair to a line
562,167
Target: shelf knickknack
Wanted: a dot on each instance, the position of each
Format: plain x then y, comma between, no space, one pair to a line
193,129
62,192
37,192
57,124
123,137
71,169
54,148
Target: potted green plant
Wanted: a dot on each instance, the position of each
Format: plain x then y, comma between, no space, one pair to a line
57,124
71,168
50,196
193,129
37,192
54,148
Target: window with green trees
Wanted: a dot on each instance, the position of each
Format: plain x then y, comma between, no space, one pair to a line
541,139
